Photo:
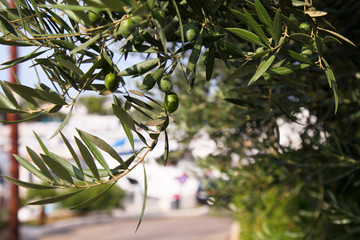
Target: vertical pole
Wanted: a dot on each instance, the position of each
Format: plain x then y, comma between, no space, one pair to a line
13,205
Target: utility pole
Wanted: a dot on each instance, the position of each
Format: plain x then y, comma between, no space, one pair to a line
13,204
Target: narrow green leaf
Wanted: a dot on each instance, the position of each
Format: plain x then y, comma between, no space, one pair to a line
91,200
264,65
210,61
28,166
156,121
264,17
104,173
181,27
230,48
162,34
57,169
71,169
277,27
144,200
27,184
332,82
86,155
42,145
4,41
114,5
288,69
166,149
69,65
124,116
140,68
139,103
53,199
51,97
105,147
21,59
95,152
128,134
9,95
39,162
256,28
195,54
86,44
240,16
24,119
25,92
72,152
63,124
338,35
296,56
10,110
247,36
6,27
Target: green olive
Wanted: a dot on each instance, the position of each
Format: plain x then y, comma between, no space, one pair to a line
127,26
165,84
171,102
112,82
191,31
305,27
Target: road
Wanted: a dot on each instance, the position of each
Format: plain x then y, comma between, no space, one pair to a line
168,228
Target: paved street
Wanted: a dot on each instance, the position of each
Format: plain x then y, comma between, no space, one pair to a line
165,228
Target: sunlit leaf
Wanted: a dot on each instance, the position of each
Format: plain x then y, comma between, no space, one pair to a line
27,184
246,35
28,166
263,67
256,28
95,152
264,17
21,59
144,199
124,116
39,162
140,68
105,147
63,124
87,157
9,95
57,168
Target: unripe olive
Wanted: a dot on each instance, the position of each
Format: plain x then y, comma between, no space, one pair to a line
165,84
191,31
112,82
171,102
305,27
306,51
127,26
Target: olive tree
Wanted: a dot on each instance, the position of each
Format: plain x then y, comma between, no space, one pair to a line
262,44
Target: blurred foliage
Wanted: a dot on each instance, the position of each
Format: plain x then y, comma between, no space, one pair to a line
112,199
280,191
96,105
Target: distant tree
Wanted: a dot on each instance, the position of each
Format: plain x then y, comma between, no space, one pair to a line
275,61
95,105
